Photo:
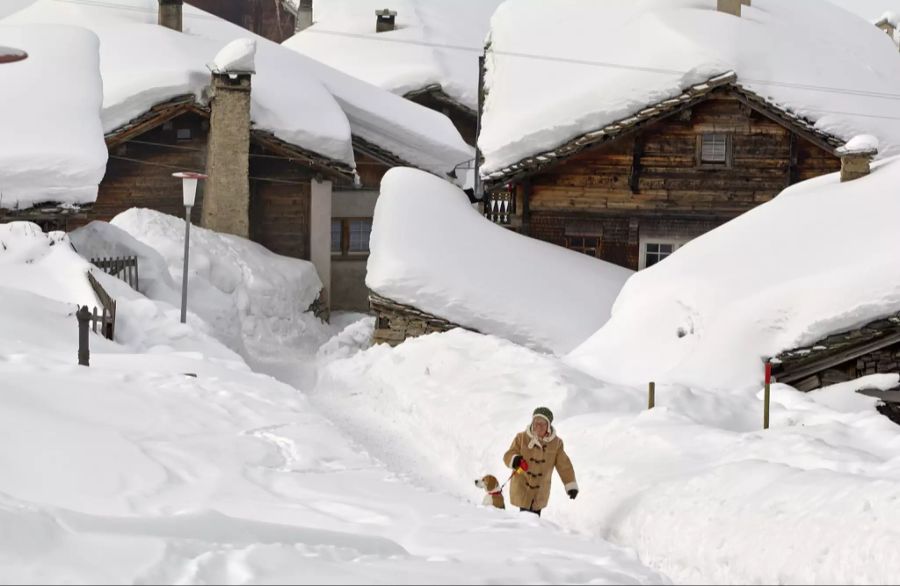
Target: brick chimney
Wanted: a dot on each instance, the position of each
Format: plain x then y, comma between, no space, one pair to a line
385,20
170,14
732,7
856,157
226,203
304,15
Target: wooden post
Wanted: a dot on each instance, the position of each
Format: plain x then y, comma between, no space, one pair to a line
767,395
84,354
652,400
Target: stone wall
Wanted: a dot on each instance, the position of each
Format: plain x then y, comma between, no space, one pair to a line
396,322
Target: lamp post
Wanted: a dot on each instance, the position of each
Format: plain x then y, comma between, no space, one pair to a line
189,193
10,55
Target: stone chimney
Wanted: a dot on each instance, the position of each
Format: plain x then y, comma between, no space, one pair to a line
304,15
732,7
226,203
385,20
856,157
170,14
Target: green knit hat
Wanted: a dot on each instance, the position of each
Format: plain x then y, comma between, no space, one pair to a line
543,412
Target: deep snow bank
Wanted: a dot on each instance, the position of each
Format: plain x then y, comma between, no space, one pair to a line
432,250
818,259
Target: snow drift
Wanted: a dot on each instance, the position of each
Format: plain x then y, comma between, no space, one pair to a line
255,301
432,250
818,259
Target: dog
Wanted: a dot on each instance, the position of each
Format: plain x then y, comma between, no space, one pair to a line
493,496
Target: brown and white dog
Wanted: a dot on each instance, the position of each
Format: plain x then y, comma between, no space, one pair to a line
493,498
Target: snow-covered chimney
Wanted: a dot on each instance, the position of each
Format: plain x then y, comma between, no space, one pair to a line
385,20
732,7
856,156
170,14
226,202
304,15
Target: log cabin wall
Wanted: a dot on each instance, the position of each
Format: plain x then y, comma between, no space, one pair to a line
128,184
280,199
651,183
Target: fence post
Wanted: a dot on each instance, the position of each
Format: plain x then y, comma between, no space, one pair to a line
767,395
84,354
652,398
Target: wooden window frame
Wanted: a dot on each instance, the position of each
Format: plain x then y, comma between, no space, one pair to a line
728,163
345,253
642,260
583,249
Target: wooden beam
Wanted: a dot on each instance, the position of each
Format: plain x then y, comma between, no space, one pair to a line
827,362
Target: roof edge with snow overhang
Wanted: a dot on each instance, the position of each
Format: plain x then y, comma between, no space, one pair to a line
651,114
170,109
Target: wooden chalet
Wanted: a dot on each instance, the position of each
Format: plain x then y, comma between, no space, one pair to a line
635,190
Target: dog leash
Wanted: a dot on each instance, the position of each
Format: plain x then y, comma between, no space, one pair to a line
502,486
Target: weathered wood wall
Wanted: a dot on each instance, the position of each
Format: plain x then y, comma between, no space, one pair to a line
280,192
652,179
149,184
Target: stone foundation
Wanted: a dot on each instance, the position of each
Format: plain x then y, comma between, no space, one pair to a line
396,322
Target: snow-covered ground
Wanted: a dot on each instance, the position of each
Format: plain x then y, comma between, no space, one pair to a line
479,275
169,460
694,486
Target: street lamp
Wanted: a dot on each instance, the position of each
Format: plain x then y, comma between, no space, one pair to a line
189,193
10,55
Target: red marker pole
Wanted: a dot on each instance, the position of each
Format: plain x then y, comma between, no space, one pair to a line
767,395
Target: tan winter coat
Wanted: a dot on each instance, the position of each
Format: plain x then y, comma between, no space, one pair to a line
531,490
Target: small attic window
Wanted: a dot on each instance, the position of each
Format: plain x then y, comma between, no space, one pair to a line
183,134
715,149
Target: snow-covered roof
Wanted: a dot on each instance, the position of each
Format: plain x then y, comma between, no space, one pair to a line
300,101
51,149
709,314
491,279
437,42
870,10
551,77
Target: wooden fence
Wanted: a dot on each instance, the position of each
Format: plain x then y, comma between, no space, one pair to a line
106,319
123,267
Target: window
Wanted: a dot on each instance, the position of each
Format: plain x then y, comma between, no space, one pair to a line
584,237
350,236
588,245
715,149
360,230
656,251
183,134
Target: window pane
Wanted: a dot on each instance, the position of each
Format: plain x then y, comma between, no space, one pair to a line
714,148
336,233
360,231
652,249
666,248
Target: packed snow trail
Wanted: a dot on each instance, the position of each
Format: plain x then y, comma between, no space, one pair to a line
694,486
